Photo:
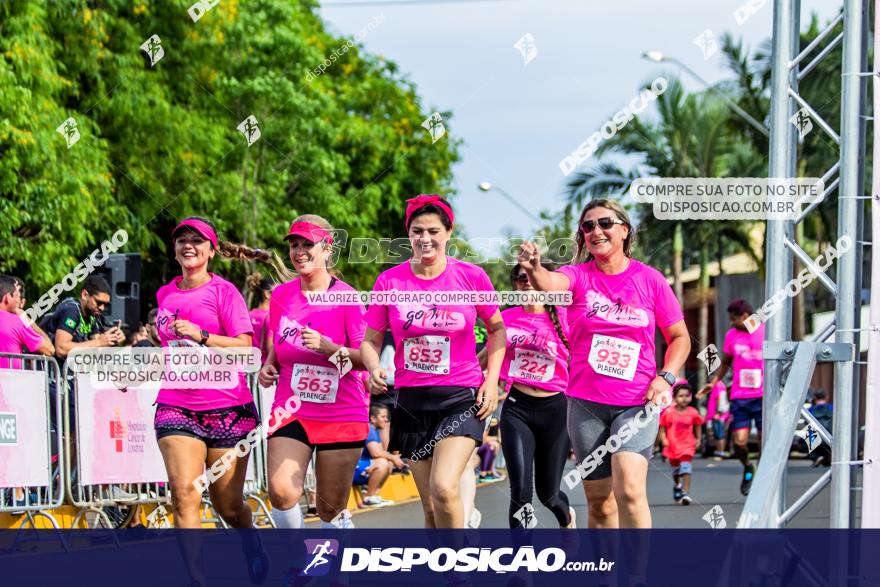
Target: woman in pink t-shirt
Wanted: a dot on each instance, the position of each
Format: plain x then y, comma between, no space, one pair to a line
321,404
261,289
617,304
195,427
442,395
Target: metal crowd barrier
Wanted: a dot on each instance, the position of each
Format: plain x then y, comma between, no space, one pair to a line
104,505
36,500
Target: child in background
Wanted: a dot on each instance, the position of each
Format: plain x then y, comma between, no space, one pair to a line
680,431
717,417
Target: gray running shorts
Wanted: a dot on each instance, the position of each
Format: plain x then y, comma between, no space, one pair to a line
599,430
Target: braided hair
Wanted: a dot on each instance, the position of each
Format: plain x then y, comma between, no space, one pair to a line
551,310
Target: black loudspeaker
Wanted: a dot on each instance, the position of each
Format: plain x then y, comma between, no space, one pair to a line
123,273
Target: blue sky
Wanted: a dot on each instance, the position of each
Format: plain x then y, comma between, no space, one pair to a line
519,120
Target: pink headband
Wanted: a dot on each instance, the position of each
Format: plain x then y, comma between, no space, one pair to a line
413,204
203,228
312,232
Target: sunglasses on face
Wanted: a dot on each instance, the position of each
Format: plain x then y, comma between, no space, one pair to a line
100,303
522,278
604,223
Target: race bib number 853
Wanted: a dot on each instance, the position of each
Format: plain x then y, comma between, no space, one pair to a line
614,357
427,354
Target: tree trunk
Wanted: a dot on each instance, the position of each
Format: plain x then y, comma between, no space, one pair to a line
703,295
677,251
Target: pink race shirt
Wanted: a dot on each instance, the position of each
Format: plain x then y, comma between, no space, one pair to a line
434,344
259,318
535,354
612,321
748,362
325,395
15,336
712,404
217,307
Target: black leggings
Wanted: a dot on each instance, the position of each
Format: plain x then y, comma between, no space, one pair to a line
535,441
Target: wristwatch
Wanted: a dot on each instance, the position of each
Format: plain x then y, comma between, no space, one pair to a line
205,335
667,377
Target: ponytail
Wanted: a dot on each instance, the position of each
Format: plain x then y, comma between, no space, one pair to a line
241,252
554,317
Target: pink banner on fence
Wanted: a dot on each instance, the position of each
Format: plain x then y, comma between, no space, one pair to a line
117,443
24,423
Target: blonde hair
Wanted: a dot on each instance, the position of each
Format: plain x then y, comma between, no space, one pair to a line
582,254
323,223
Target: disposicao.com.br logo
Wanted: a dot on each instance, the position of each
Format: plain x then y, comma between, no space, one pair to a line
441,560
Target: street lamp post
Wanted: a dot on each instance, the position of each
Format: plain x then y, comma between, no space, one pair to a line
485,186
659,57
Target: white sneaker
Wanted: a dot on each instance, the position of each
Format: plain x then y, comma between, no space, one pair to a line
475,518
573,515
377,501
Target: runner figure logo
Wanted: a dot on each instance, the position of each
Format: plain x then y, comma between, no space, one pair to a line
715,518
434,125
250,128
526,516
69,131
526,46
153,48
710,358
706,42
318,561
810,436
342,361
802,122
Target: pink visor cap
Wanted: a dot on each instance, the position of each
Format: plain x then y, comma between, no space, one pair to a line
202,228
309,231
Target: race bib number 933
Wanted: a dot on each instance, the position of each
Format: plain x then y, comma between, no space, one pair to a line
614,357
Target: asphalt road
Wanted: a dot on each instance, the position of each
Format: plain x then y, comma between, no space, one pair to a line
714,483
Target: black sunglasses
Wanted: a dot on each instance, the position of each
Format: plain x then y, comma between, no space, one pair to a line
522,278
604,223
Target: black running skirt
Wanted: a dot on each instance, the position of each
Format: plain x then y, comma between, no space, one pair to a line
423,416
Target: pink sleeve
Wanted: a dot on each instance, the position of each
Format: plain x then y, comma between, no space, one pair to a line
664,418
698,419
354,325
575,277
483,283
276,302
666,309
30,339
727,347
376,316
234,315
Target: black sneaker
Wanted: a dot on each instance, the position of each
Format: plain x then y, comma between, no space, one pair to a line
685,499
677,493
748,475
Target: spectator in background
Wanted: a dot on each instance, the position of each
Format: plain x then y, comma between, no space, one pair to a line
376,463
824,414
261,288
487,451
76,323
151,335
15,335
717,417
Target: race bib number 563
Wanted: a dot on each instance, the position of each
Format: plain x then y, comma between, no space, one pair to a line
614,357
313,383
427,354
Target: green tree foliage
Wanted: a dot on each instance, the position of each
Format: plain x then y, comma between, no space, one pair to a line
159,143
